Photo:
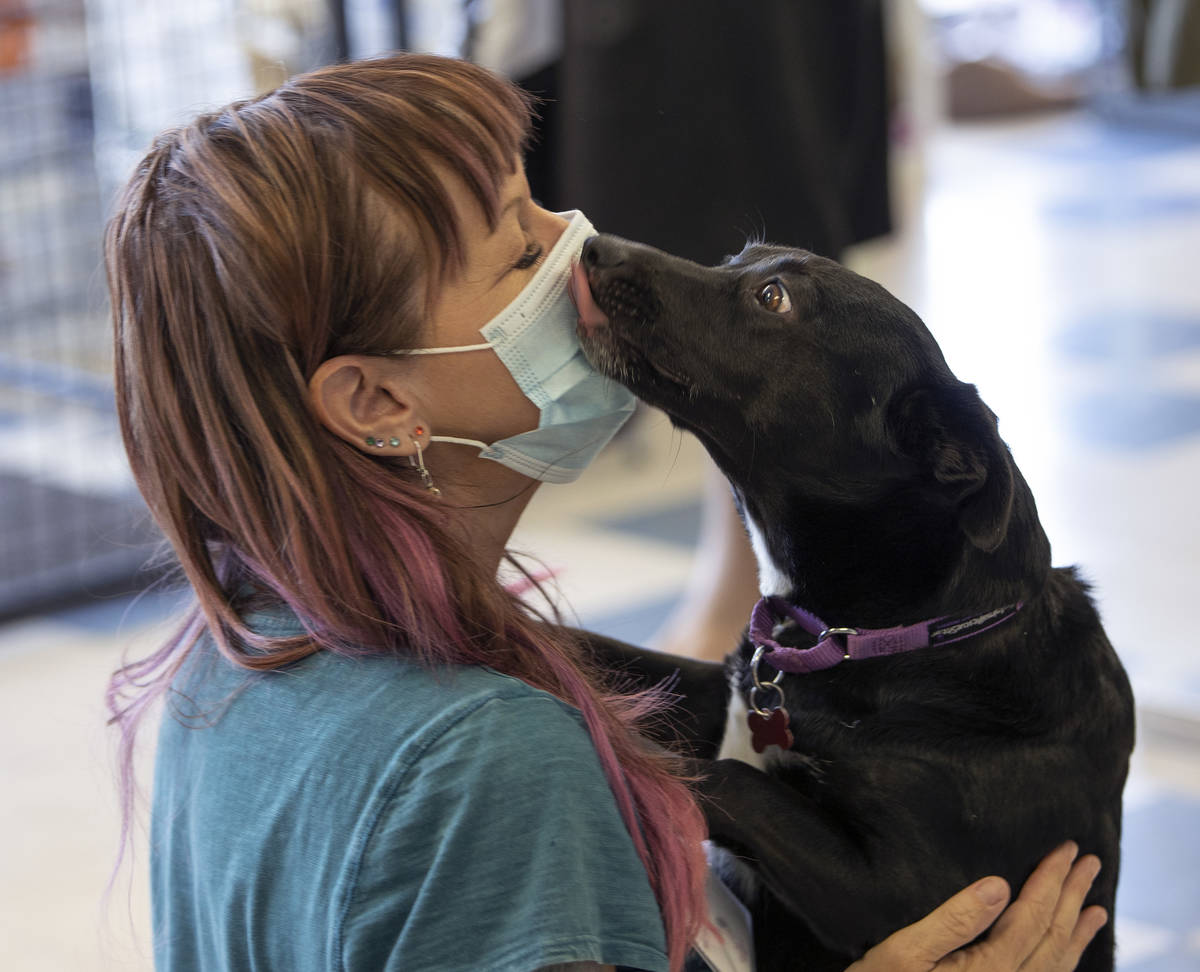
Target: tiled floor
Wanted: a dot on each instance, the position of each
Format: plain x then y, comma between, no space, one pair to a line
1057,262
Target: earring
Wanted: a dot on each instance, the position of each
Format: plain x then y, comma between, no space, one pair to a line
418,463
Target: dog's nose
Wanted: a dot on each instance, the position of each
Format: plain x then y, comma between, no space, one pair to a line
603,253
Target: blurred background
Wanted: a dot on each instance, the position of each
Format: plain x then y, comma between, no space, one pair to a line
1038,205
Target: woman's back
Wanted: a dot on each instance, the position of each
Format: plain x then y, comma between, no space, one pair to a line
348,813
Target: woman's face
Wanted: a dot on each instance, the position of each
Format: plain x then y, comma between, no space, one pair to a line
472,394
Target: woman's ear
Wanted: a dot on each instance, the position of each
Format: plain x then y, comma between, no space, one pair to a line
365,400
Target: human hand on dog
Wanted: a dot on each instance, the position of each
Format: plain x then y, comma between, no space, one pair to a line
1043,931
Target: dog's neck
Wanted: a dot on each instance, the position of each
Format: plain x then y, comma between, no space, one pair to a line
884,566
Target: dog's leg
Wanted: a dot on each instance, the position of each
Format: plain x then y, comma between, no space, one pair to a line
813,862
698,721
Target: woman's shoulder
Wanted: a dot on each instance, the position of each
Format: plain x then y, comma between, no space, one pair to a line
385,702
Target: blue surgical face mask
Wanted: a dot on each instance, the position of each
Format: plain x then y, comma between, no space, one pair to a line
534,336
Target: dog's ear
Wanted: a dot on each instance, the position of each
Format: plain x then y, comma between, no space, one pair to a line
952,434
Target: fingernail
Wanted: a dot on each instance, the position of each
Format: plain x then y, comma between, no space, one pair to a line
991,890
1072,848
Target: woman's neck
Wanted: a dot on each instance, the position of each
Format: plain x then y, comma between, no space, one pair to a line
489,503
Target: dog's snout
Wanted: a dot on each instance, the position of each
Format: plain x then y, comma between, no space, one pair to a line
603,253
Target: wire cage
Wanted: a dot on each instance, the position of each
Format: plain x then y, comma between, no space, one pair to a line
84,86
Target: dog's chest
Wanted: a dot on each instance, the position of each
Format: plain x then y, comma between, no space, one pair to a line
735,743
737,740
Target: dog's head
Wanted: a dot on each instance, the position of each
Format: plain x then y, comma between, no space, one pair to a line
793,370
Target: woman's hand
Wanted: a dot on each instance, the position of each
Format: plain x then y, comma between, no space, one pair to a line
1043,931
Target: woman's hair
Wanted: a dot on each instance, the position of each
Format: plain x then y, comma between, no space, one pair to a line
250,246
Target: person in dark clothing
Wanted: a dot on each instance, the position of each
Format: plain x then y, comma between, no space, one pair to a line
695,125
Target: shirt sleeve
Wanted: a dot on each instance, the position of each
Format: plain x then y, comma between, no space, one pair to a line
501,847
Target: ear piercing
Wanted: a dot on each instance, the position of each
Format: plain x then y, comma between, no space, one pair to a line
378,441
418,463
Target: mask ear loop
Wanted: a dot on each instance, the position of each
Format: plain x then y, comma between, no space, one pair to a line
418,463
405,352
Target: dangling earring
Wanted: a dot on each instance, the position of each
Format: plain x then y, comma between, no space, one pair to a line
418,463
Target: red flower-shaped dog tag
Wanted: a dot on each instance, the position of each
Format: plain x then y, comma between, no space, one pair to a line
769,730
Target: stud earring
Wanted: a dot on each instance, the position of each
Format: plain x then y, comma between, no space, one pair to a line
418,463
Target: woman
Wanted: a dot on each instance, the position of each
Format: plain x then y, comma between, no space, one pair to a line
373,755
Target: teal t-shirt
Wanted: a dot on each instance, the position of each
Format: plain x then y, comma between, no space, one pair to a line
375,815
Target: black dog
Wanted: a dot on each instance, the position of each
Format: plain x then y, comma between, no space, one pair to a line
981,716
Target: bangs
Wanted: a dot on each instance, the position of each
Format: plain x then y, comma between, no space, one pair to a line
405,121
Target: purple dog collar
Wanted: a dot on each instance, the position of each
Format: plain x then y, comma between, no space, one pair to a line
836,645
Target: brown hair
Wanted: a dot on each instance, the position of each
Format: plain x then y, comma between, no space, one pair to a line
250,246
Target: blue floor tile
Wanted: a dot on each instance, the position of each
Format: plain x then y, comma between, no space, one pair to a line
679,525
1134,419
1160,864
1094,142
1122,333
635,626
1160,879
1119,208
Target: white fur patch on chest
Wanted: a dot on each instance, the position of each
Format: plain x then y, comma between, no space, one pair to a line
771,580
735,744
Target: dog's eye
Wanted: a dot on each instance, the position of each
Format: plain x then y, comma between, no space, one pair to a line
774,297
